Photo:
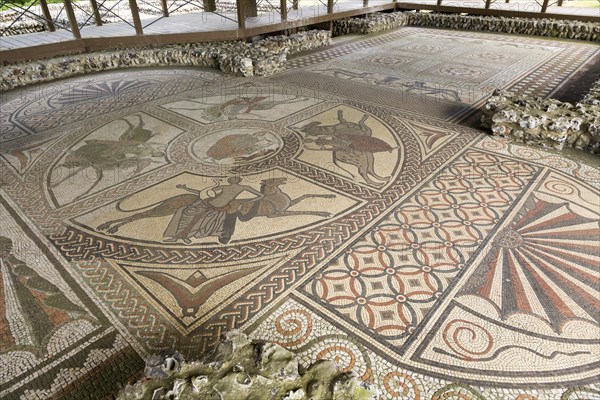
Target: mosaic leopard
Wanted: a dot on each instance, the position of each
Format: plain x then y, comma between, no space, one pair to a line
350,143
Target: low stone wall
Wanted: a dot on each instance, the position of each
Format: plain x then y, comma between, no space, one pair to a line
22,27
592,97
262,58
545,122
370,24
297,42
242,369
539,27
524,26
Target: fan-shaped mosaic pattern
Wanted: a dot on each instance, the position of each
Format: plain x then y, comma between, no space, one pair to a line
544,264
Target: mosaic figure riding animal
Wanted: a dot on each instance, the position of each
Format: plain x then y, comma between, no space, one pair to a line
275,203
350,143
130,150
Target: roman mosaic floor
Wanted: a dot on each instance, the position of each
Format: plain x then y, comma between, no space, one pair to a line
346,209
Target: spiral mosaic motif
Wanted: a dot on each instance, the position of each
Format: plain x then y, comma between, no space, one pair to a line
293,327
401,385
468,339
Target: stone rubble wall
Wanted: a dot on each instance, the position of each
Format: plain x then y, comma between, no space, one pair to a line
589,31
370,24
262,58
545,122
592,97
554,28
242,369
21,27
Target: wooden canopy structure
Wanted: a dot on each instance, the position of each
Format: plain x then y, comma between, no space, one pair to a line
243,25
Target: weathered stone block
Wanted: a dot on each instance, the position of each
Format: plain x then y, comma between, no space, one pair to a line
545,122
526,26
262,58
242,368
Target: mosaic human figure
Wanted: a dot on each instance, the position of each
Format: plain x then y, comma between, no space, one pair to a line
206,216
217,216
236,107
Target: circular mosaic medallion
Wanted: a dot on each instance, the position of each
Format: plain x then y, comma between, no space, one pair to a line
235,146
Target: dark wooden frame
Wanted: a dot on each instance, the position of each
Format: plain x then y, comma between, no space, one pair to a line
47,16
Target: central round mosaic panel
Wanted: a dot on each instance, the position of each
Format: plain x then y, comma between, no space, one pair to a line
235,146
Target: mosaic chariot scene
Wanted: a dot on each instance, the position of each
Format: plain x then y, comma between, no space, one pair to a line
348,208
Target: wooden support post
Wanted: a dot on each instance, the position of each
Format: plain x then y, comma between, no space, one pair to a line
72,19
559,3
488,3
135,16
329,6
241,13
439,3
47,16
210,5
251,8
295,4
283,9
365,3
545,6
96,12
165,8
